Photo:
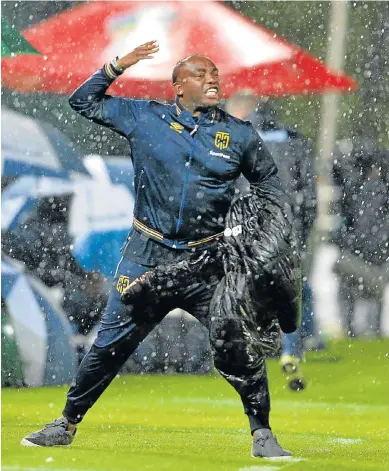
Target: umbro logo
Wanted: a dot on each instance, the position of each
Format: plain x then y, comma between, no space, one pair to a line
177,127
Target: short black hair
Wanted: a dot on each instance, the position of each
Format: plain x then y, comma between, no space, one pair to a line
176,71
180,64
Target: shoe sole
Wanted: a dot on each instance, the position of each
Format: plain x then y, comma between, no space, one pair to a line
26,442
273,458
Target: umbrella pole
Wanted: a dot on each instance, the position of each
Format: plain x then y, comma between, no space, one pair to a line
325,221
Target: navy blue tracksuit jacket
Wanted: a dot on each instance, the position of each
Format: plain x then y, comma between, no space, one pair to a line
185,169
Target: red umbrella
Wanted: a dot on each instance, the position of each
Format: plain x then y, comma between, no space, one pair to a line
78,41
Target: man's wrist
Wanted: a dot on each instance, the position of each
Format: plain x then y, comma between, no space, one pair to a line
116,65
113,69
120,64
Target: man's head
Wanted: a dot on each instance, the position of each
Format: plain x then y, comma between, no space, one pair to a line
196,82
242,104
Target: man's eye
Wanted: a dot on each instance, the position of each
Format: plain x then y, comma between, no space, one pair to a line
200,75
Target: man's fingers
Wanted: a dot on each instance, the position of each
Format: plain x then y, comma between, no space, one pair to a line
149,43
144,56
147,48
146,52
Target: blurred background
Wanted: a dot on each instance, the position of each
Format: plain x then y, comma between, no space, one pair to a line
314,82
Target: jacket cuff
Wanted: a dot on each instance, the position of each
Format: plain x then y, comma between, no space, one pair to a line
111,71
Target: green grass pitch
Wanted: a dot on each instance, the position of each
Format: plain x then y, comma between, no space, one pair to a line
154,423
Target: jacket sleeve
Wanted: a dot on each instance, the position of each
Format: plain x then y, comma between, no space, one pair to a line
91,101
260,170
258,165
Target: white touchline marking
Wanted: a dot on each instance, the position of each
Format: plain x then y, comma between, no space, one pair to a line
346,441
44,468
286,404
259,468
329,405
280,466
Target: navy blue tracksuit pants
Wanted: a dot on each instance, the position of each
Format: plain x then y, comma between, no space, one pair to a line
122,330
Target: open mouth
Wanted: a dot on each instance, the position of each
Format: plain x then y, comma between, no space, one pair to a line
212,92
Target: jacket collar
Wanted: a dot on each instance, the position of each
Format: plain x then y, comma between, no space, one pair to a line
184,116
178,107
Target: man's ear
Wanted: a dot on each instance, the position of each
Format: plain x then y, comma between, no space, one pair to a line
178,89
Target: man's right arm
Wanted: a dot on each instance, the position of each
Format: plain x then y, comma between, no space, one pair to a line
90,99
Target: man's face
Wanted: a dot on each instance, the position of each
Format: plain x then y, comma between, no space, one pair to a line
198,83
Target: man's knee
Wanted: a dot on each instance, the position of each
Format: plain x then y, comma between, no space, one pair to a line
111,336
233,345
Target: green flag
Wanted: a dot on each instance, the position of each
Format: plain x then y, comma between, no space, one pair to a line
13,43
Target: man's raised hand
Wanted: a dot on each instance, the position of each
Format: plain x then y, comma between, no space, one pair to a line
145,51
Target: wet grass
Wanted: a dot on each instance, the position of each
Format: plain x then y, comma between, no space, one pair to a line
339,423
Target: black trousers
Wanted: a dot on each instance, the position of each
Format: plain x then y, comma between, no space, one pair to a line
122,329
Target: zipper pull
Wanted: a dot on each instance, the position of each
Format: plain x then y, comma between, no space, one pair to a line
194,130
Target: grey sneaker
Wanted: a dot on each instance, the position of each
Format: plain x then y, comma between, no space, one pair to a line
265,445
53,434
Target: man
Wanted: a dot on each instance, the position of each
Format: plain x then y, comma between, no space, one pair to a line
186,158
362,177
293,158
43,243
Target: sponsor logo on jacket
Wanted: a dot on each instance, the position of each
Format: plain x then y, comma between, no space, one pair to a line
219,154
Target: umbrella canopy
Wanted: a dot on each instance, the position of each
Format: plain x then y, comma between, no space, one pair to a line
41,331
32,147
246,54
100,215
13,43
115,170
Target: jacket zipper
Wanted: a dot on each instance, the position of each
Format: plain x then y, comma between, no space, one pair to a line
187,165
137,192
